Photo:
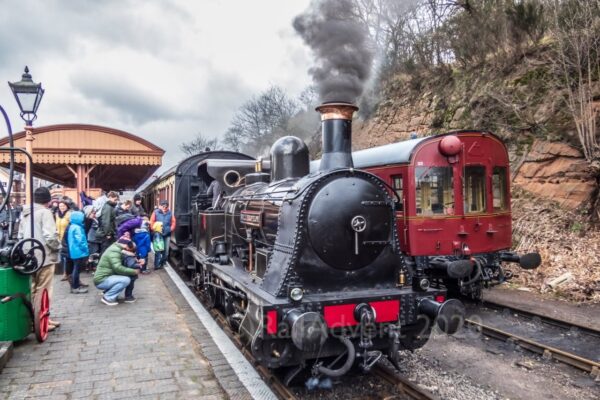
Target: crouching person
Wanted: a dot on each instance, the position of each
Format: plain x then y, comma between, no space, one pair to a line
111,276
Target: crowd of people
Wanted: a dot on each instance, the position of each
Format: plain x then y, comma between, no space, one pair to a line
112,238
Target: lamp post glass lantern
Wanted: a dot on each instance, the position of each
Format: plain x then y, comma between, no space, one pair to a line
28,95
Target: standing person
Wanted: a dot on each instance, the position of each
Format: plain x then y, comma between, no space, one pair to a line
91,227
214,190
44,231
111,276
78,249
138,209
62,218
106,224
158,244
54,207
164,215
5,220
16,211
122,209
142,241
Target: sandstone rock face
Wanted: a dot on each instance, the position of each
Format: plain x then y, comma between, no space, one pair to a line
393,123
557,172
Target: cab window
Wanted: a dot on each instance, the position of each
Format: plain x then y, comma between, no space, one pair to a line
435,193
500,189
397,185
474,189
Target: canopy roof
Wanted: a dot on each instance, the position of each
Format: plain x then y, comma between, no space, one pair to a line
121,160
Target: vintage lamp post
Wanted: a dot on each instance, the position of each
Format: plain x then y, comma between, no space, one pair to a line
28,95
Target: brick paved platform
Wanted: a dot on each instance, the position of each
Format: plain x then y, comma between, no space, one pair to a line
150,349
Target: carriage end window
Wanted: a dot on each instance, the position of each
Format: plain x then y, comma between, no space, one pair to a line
500,189
397,185
435,191
474,189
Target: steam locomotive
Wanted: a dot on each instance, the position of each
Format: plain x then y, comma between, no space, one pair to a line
306,267
454,216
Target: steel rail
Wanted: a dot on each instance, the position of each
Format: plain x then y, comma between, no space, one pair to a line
271,379
402,384
547,351
561,323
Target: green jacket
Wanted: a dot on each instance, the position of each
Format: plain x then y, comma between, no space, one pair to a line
111,264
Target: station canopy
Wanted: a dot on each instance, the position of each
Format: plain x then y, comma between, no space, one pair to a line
87,156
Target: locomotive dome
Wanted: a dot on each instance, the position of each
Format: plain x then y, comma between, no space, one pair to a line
289,158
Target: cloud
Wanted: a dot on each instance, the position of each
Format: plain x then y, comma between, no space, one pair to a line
161,69
134,102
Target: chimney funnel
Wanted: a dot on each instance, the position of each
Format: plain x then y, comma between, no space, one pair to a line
336,127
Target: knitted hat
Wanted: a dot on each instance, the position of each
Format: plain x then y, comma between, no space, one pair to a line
164,203
87,211
41,195
125,241
137,196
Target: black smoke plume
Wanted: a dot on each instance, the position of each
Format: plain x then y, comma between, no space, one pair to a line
341,47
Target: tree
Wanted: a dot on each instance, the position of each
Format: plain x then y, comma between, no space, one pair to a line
233,140
261,120
577,60
198,145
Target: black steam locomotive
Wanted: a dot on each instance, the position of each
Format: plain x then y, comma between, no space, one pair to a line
305,266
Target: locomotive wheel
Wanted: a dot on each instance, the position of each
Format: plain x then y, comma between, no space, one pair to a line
272,352
41,315
211,296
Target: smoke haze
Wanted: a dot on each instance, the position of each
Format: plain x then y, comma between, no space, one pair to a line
341,47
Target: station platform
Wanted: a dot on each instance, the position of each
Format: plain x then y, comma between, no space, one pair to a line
156,348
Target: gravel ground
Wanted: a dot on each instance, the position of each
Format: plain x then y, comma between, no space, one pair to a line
469,366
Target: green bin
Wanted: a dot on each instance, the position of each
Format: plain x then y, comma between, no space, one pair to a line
15,317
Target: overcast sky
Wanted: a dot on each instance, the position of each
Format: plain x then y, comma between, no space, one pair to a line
160,69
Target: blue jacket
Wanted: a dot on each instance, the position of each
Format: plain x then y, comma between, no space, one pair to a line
76,237
142,242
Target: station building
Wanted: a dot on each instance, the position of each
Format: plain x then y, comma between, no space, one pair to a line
85,158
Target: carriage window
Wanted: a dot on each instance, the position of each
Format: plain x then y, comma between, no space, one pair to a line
500,189
397,185
435,192
474,189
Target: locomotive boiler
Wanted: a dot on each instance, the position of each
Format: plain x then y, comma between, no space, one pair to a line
306,266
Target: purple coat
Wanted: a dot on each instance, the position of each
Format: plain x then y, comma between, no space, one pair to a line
129,226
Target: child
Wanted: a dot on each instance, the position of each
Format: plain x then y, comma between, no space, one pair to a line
76,249
158,244
142,242
129,260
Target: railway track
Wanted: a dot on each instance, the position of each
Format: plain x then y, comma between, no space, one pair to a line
272,380
566,351
401,384
280,390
